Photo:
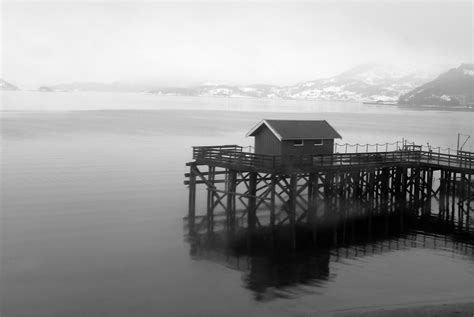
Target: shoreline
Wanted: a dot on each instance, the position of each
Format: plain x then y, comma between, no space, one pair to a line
433,309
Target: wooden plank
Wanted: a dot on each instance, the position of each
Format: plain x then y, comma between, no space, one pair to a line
236,194
219,181
207,173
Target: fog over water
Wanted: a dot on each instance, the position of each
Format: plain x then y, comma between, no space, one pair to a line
93,204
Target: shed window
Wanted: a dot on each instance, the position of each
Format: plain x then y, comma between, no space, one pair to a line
298,143
318,142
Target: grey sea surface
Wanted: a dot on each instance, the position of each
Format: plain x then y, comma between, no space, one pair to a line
92,207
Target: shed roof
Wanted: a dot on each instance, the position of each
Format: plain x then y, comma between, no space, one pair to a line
298,129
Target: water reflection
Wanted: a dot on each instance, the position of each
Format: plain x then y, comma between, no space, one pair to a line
271,272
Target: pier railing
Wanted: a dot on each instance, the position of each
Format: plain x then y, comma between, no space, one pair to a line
234,156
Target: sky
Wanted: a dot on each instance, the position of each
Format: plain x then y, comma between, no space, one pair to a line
187,43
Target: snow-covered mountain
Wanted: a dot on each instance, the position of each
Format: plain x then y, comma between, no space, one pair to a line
216,90
5,85
452,88
368,82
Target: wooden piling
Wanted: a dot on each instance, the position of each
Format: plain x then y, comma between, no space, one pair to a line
230,206
273,185
442,193
292,210
210,199
192,199
453,195
251,210
469,200
429,191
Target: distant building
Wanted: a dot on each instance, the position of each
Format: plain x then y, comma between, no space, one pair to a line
294,137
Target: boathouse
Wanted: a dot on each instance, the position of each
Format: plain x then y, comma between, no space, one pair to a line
294,137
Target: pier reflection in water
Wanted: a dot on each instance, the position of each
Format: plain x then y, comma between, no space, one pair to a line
271,270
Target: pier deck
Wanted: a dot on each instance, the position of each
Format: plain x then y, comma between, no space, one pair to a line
233,157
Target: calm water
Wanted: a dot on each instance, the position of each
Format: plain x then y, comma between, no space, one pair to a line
92,207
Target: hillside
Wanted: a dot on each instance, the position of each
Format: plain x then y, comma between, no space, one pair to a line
368,82
453,88
45,89
5,85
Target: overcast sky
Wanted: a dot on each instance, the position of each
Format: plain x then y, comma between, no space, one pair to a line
183,44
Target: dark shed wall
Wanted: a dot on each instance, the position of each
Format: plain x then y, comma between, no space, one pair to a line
308,148
266,142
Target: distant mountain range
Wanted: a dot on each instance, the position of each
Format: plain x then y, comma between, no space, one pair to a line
119,86
5,85
368,82
365,83
45,89
453,88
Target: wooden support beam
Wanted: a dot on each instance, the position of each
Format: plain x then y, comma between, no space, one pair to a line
292,213
314,207
328,193
453,194
429,191
206,173
230,206
286,190
442,191
192,200
384,189
461,191
416,189
470,199
272,202
447,195
403,194
251,205
310,217
210,199
237,194
217,181
210,183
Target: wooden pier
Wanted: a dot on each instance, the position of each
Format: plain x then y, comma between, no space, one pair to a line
247,192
